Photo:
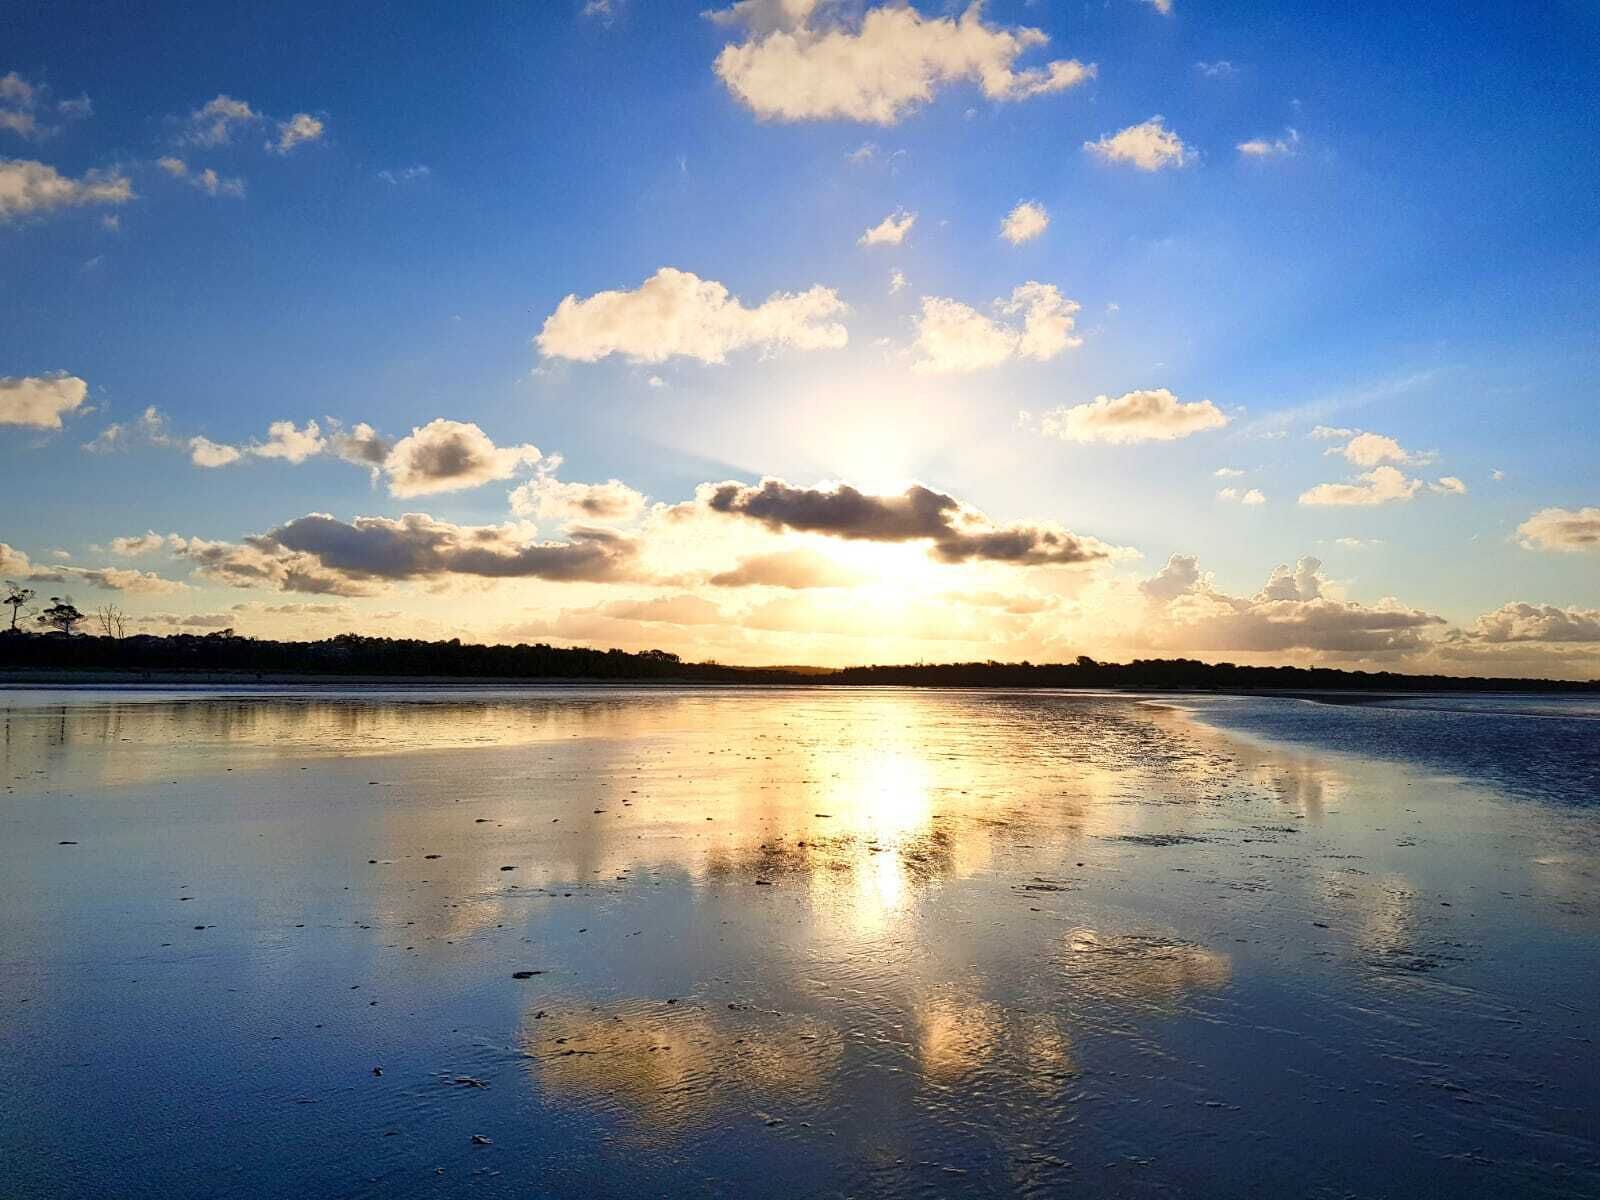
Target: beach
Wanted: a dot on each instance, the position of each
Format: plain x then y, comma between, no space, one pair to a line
622,941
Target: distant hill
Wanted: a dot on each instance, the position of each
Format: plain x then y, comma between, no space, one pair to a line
183,657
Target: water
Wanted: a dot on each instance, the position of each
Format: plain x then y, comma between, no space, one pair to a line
795,943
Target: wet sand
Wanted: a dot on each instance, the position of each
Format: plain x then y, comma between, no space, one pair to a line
805,942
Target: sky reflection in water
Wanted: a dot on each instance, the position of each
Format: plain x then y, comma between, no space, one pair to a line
791,942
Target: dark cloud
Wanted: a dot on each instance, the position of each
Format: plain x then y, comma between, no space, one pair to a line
957,533
321,554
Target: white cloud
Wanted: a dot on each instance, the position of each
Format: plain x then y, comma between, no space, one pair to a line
298,130
1234,495
890,231
1381,485
28,187
790,69
1297,609
22,103
207,181
1227,473
203,452
1370,449
1148,146
39,402
14,564
1522,622
151,427
897,282
1570,531
678,313
290,444
1220,69
1164,7
1024,223
446,456
550,499
1448,485
136,546
954,337
1355,543
284,441
1150,415
1278,147
214,122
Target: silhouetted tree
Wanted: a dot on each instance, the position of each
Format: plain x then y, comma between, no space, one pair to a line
17,596
62,614
112,621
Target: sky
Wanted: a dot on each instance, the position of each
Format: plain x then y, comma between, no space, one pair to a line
813,331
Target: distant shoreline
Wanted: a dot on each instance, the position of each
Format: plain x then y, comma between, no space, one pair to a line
12,680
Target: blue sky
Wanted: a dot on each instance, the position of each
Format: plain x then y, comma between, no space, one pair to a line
1409,253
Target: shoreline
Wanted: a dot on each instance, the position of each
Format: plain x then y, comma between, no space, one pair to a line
13,680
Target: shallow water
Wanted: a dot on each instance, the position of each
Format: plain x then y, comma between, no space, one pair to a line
802,942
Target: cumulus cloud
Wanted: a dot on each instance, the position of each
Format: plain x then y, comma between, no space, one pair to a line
1024,223
1381,485
793,569
321,554
1448,485
361,444
794,68
207,181
40,401
955,532
1370,449
1570,531
1277,147
952,336
214,122
28,188
1523,622
890,231
203,452
140,544
1149,146
676,313
287,442
298,130
1151,415
1251,496
14,564
446,456
551,499
1295,610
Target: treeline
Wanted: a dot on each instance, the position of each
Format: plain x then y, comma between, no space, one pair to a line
1185,674
352,655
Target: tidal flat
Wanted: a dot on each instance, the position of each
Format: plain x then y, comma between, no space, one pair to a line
595,942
